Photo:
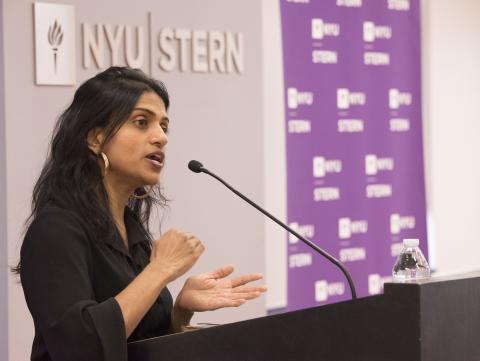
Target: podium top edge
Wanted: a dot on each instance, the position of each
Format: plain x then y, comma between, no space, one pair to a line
435,279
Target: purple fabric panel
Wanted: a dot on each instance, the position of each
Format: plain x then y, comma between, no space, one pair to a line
355,176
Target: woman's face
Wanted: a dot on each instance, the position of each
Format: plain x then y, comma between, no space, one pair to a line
136,151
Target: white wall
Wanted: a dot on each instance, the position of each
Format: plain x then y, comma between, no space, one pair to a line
451,70
274,172
3,215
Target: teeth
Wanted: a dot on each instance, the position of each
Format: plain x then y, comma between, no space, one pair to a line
155,158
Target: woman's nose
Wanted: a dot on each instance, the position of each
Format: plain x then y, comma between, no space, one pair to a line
160,137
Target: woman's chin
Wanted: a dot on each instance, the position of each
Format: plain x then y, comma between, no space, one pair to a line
151,181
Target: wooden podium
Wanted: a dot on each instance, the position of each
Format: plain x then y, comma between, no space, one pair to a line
433,320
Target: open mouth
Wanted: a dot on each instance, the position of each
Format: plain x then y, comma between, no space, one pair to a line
156,158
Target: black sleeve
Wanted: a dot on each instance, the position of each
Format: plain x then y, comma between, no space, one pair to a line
55,275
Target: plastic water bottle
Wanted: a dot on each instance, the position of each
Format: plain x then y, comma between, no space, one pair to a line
411,263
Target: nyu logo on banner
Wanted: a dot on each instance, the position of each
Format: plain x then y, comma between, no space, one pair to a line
324,290
353,254
347,227
299,1
321,29
399,125
322,166
321,194
379,190
299,126
396,249
376,282
296,98
399,223
350,3
400,5
350,125
324,56
299,260
54,44
397,98
374,164
376,58
372,32
305,230
346,98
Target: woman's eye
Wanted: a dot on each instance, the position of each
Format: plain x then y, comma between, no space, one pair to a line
165,128
142,123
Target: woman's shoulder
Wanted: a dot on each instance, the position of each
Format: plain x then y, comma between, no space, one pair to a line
56,217
55,226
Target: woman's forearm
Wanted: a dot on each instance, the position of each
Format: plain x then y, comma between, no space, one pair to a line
172,255
137,298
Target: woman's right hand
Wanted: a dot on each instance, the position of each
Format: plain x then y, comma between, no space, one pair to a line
175,253
172,255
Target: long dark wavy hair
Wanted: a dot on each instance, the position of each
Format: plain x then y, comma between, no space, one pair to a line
71,177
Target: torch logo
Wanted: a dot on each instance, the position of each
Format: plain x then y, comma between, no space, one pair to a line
54,26
55,37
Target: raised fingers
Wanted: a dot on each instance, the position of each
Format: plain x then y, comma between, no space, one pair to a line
234,303
222,272
245,295
249,288
244,279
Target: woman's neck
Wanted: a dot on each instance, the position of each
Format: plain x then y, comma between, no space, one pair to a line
118,195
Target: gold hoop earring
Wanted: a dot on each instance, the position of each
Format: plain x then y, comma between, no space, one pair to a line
143,196
106,163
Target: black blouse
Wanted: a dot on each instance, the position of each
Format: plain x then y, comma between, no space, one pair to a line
70,280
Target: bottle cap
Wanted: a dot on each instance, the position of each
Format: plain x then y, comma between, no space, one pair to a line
411,242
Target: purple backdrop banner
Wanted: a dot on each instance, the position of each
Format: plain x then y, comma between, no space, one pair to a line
355,177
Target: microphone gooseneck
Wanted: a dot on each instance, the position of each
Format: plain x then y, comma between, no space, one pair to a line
197,167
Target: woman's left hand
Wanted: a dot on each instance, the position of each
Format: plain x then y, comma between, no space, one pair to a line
212,290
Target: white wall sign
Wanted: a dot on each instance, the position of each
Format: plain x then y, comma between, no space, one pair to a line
186,50
54,44
104,45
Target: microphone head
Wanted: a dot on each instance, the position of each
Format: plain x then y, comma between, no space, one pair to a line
195,166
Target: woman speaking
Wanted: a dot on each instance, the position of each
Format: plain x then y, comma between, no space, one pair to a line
92,275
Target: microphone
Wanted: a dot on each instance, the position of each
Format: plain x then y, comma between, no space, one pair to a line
197,167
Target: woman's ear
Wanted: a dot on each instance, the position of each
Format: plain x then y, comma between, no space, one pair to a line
95,139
